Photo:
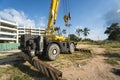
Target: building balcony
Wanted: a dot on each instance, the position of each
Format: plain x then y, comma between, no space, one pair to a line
10,39
7,33
8,22
8,28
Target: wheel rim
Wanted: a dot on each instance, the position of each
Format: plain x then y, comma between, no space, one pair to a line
53,51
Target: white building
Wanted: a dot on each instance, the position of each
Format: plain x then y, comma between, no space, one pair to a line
32,31
8,31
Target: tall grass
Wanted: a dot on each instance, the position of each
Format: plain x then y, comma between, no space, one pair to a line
104,44
113,44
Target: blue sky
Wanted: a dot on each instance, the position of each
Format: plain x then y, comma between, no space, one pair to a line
92,14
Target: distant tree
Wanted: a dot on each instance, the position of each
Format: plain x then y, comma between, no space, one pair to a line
86,31
73,37
64,31
113,32
79,31
88,39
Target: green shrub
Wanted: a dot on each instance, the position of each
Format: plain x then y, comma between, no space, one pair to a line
112,61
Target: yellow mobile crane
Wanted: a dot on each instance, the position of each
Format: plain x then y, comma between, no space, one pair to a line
50,44
50,32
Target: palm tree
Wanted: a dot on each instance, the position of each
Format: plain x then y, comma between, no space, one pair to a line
79,31
86,31
64,31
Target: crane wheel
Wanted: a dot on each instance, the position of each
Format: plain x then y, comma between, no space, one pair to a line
72,48
53,51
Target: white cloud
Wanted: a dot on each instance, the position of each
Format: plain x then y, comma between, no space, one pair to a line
118,11
17,16
42,22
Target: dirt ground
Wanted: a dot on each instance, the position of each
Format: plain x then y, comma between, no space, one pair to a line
93,68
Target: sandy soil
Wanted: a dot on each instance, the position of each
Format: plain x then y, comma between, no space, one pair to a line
94,69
